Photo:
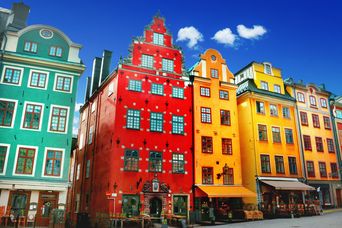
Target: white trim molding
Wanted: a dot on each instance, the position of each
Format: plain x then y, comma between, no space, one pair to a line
14,112
66,121
23,116
6,157
38,71
62,161
34,162
12,67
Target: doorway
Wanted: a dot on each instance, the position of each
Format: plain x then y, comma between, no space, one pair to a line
47,202
339,197
155,207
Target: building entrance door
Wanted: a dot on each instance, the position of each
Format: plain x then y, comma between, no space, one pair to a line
47,202
155,207
339,197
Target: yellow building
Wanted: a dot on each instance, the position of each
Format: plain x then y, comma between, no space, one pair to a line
217,161
317,137
270,150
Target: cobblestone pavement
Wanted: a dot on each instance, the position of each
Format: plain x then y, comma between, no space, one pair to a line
330,220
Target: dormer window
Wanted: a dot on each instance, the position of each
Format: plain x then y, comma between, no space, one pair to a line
267,68
158,38
30,47
55,51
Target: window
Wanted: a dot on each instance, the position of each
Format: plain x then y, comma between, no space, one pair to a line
207,144
3,155
88,169
180,205
205,91
7,109
156,121
264,85
205,115
331,147
12,76
78,171
56,51
32,116
157,89
147,61
214,73
277,88
207,175
265,163
319,144
292,165
304,118
279,160
224,95
273,110
155,162
228,176
267,68
310,168
315,120
30,46
131,162
334,172
307,142
313,101
38,80
130,205
177,125
167,65
260,107
53,163
177,163
225,117
323,102
111,89
134,85
227,146
322,169
93,107
177,92
63,83
91,133
300,97
25,160
286,112
158,38
276,134
326,121
262,132
289,136
59,118
339,114
133,119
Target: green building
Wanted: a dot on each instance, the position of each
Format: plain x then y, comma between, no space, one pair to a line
39,72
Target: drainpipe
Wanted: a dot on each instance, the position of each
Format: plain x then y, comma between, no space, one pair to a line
192,79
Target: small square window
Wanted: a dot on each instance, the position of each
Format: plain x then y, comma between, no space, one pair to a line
30,47
177,92
157,89
167,65
63,83
214,73
205,91
147,61
224,95
135,85
158,38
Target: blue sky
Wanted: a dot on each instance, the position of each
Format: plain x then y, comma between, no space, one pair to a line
303,38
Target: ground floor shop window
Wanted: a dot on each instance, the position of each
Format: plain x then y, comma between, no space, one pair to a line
18,203
180,205
130,205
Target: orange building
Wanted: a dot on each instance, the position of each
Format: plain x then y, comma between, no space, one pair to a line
318,144
217,161
270,150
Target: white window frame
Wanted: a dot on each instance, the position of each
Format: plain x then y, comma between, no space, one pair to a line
325,101
262,84
38,71
78,170
14,113
44,162
23,116
270,65
66,122
277,86
6,158
11,67
34,163
301,97
81,143
63,75
159,35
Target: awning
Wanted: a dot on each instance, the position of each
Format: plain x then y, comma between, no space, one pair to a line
288,185
227,191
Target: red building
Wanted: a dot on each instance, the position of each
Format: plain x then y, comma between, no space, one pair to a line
135,137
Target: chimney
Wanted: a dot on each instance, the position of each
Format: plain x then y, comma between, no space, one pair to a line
96,74
87,93
322,86
21,12
106,59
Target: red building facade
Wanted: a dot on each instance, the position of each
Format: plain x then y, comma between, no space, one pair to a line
135,137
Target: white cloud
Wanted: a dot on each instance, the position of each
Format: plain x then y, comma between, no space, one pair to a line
251,33
190,34
78,106
75,124
225,36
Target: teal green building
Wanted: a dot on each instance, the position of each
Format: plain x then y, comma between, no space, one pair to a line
39,72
